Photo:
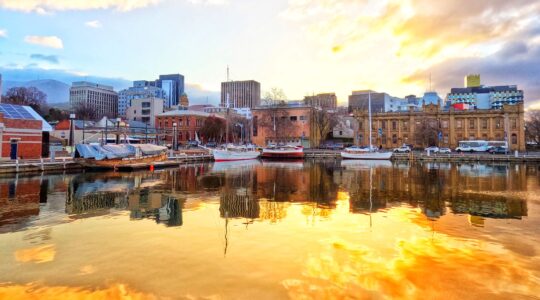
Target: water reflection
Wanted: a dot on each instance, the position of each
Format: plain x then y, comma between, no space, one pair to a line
303,229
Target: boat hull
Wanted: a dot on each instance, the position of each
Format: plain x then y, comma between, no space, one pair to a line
225,155
116,163
367,155
282,154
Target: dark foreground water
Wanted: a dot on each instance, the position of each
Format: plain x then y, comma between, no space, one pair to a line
258,230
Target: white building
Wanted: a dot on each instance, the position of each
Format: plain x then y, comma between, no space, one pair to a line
101,98
145,110
139,90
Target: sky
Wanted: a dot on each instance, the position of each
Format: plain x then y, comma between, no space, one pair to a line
301,46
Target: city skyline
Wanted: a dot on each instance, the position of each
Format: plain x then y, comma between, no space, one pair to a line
304,47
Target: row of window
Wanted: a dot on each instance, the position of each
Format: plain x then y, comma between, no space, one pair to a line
180,123
497,123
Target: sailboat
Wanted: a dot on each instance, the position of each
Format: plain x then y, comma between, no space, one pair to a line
356,152
232,152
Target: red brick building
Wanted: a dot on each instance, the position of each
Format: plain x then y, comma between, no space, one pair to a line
188,124
23,132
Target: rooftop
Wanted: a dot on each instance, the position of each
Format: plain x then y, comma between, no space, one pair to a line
12,111
180,113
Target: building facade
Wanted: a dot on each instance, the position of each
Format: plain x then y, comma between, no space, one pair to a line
101,98
326,101
140,89
391,130
283,124
477,96
145,110
241,94
173,85
188,124
381,102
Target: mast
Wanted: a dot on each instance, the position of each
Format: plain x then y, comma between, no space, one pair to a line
227,115
369,114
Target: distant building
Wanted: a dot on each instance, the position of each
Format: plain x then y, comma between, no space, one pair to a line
140,89
145,110
101,98
478,96
173,85
184,100
1,88
472,80
23,132
345,128
241,94
380,102
326,101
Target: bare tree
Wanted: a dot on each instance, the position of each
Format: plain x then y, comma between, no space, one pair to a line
323,123
532,127
30,96
275,118
84,111
426,133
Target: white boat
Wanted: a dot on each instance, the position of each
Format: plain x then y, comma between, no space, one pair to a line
233,153
281,152
368,153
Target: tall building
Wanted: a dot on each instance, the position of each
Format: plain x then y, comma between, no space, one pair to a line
140,89
484,97
173,85
101,98
326,101
472,80
241,93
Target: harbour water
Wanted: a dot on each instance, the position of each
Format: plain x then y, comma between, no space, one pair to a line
274,230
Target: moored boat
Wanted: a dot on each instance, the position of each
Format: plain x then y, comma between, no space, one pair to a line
282,152
113,156
233,153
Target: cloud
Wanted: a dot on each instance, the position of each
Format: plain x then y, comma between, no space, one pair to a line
93,24
209,2
45,41
3,33
46,6
48,58
516,63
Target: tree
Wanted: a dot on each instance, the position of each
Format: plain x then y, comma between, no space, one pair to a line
323,123
213,128
55,114
426,133
532,127
29,96
84,111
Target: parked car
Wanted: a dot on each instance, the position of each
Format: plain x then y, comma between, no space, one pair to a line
445,150
402,149
432,149
498,150
211,144
338,146
192,144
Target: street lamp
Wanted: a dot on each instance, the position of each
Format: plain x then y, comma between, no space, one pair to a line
118,120
71,133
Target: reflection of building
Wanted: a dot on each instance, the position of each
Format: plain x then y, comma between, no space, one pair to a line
238,203
394,129
20,199
148,204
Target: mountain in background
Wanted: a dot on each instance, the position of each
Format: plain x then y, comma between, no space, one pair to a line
57,91
56,83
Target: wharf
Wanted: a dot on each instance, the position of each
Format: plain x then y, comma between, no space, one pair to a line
38,165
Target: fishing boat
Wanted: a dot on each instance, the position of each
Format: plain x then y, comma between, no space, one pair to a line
97,156
234,153
369,153
283,151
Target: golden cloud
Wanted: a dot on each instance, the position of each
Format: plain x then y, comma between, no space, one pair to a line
45,41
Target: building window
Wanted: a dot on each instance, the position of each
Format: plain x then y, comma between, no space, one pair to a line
514,139
471,137
471,124
383,125
255,125
459,124
498,123
514,123
294,118
302,118
405,138
405,125
360,125
484,123
383,139
444,123
394,139
394,125
445,139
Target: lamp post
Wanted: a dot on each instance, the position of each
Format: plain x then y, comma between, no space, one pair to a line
241,131
118,120
106,134
71,133
174,137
